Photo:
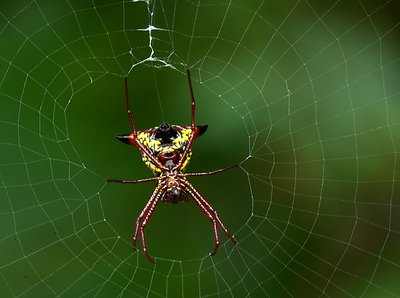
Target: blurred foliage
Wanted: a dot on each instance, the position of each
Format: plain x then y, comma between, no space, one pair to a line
304,94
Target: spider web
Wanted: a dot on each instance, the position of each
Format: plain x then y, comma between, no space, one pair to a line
303,94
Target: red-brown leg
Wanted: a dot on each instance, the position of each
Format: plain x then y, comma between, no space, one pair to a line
209,208
185,152
134,181
142,148
154,197
209,211
192,97
210,217
128,109
193,125
212,211
145,222
211,172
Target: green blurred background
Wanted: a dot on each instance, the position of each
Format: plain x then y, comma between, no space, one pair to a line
304,94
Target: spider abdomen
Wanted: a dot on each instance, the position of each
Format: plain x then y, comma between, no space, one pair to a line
167,150
174,193
174,196
166,143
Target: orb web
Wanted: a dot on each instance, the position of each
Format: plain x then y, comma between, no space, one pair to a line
303,94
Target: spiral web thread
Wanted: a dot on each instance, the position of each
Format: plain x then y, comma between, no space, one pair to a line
315,86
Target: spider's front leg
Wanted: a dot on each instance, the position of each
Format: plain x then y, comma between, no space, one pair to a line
132,138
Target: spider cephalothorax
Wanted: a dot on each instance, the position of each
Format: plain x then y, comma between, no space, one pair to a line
166,149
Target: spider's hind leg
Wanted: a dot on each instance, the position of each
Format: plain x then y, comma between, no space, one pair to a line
144,218
209,211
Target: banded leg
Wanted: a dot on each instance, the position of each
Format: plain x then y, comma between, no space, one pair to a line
143,225
210,217
193,124
192,97
154,197
128,109
133,181
211,172
133,139
210,210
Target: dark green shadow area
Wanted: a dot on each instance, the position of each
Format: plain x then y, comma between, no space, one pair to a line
304,94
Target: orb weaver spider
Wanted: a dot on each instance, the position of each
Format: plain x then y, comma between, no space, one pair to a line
166,150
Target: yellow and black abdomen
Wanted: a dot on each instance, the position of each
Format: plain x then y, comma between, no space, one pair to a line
167,151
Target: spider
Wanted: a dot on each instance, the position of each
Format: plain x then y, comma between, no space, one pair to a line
166,150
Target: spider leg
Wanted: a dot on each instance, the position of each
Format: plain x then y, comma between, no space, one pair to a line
128,109
192,96
133,181
143,225
212,211
214,223
211,172
149,208
142,148
210,217
185,152
193,125
208,210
